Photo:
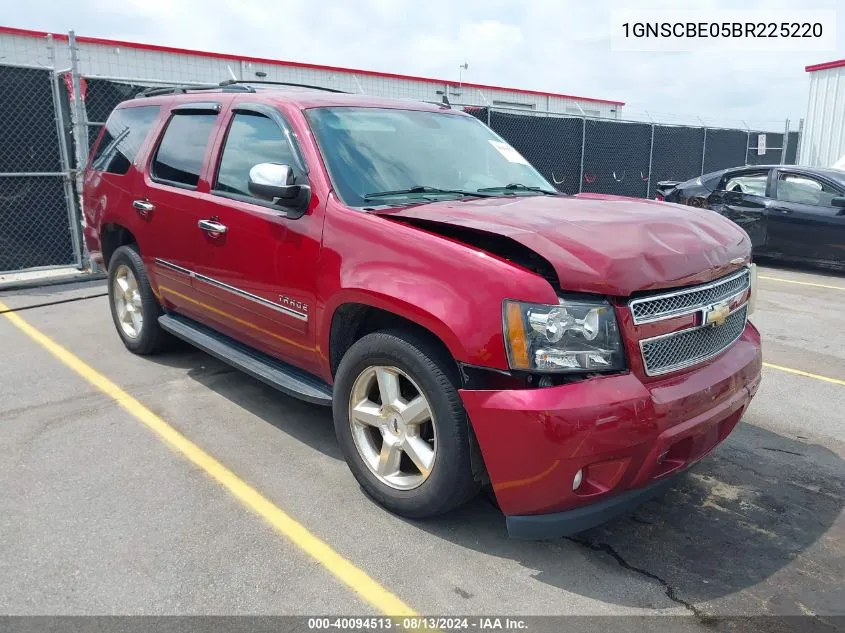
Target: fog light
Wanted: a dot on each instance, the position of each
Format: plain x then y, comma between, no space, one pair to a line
576,482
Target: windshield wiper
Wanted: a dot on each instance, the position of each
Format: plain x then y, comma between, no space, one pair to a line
515,186
423,189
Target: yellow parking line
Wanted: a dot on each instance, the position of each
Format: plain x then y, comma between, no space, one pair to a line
789,370
801,283
345,571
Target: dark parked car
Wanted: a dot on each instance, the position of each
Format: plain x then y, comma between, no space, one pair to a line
789,212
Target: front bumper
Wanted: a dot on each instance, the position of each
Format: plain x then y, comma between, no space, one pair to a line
558,524
629,436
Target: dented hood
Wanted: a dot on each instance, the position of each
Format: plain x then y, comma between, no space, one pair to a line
604,244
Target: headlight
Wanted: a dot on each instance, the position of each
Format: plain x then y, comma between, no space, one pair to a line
572,336
752,277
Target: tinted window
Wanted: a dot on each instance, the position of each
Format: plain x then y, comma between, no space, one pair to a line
805,190
125,132
182,149
252,139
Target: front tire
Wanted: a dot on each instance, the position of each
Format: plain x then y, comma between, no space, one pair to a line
401,425
134,307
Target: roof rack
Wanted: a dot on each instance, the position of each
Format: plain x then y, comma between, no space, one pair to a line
247,82
440,104
230,85
182,89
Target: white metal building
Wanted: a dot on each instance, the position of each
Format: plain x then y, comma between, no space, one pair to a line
151,64
823,138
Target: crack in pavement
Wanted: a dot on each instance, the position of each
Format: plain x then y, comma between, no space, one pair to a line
781,450
54,303
671,593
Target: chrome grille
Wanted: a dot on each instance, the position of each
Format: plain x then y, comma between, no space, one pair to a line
688,300
671,352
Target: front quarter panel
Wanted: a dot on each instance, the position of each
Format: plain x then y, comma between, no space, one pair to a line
749,212
453,290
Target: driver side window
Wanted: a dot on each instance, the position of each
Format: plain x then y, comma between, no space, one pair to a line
804,190
252,139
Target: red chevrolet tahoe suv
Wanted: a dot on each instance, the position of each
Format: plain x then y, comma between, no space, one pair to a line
400,262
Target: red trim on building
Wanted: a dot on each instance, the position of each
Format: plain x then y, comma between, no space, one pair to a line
825,65
262,60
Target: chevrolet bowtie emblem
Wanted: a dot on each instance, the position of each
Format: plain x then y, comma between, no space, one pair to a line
717,313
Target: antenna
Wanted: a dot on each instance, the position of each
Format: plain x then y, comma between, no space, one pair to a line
461,69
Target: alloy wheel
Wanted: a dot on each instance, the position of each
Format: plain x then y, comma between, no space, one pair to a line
127,302
392,427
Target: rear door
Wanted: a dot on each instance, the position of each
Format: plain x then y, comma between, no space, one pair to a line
257,274
172,195
802,222
741,197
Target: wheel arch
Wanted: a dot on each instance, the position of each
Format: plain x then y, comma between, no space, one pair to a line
112,236
352,320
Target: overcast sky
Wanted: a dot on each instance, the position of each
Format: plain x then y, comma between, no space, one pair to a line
553,45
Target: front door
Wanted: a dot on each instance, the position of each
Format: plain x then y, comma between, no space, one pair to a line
256,268
803,223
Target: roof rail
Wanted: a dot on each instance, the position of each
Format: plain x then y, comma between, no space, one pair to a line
247,82
442,105
182,89
230,85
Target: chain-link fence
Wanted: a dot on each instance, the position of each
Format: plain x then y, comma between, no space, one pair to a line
39,224
65,97
101,97
626,158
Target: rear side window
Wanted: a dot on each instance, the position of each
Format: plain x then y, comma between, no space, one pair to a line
749,183
252,139
125,132
180,154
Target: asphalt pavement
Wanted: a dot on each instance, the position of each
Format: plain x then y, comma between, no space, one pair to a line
104,511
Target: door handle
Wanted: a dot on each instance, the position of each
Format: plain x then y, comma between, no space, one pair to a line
783,211
143,207
212,227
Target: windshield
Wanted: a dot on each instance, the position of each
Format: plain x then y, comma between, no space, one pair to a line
412,154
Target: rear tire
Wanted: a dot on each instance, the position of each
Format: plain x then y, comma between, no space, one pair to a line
134,308
432,473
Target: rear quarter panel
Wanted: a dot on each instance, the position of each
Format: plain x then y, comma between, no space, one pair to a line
107,198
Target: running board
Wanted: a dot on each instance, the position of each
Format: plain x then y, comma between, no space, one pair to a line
286,378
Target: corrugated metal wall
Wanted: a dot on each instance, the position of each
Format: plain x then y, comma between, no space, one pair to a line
823,138
149,66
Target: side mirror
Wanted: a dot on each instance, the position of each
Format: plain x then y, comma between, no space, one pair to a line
275,182
839,202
